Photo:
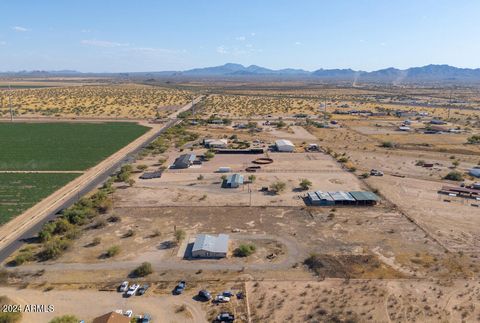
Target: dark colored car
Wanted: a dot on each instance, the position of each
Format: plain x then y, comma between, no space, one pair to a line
142,290
205,295
225,317
146,318
227,293
179,288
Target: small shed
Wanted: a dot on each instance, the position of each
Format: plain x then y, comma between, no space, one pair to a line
284,145
184,161
365,197
233,181
209,246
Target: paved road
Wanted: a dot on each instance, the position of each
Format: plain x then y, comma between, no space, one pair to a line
23,235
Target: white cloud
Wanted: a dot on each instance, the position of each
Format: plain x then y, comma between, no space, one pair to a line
103,43
222,50
20,29
253,34
85,31
2,43
383,44
249,45
241,38
298,43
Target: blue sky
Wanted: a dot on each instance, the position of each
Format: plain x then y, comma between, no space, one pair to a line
143,35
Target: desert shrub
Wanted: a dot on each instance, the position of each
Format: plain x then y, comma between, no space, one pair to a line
54,248
475,139
142,167
209,155
278,187
143,270
387,144
129,233
96,241
23,257
65,319
179,235
112,251
244,250
343,159
8,317
454,176
305,184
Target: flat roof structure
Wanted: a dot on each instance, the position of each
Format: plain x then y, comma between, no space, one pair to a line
184,161
364,196
210,246
341,196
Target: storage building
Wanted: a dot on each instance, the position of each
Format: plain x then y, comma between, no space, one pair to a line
475,172
233,181
320,198
184,161
365,198
342,198
215,143
284,145
208,246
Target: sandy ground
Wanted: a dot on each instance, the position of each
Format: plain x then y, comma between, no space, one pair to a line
88,304
183,187
454,223
365,301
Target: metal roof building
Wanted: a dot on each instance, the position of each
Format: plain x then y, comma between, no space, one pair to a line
475,172
233,181
365,198
208,246
320,198
342,198
184,161
284,145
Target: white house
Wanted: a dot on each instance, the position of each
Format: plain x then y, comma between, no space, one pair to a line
284,145
208,246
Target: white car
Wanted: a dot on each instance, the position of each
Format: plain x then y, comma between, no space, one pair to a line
133,289
222,299
123,287
128,313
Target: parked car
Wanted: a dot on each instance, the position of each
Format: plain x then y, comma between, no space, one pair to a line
132,290
142,290
240,295
227,293
146,318
222,299
128,313
375,172
123,287
225,317
179,288
205,295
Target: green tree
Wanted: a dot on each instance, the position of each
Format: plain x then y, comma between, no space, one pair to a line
305,184
278,187
244,250
252,178
179,235
454,176
112,251
143,270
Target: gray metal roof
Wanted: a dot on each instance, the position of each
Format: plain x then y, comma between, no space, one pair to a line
235,179
341,196
324,196
211,243
474,172
364,196
185,159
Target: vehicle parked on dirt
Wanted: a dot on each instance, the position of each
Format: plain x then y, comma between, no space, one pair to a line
225,317
132,290
222,299
180,287
128,313
142,290
123,287
204,295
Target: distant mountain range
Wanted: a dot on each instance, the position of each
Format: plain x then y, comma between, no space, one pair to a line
424,74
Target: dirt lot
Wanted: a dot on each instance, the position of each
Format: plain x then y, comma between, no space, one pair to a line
365,301
201,185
